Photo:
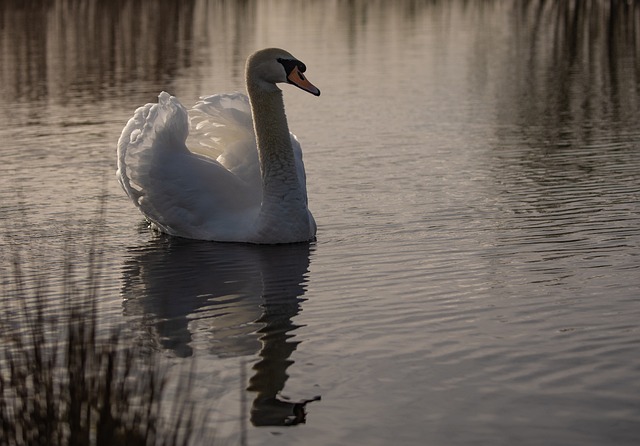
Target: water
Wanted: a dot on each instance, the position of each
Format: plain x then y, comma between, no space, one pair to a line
474,171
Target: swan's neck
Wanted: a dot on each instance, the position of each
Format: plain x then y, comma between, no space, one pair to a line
275,152
283,198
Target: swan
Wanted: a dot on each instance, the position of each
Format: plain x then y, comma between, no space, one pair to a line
227,170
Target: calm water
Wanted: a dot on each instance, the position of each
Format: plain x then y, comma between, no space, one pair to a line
474,169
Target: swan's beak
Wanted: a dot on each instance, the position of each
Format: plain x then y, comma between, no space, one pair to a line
298,79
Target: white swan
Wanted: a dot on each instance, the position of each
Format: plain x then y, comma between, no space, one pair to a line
241,179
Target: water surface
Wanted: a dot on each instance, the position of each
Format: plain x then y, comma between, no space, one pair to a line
474,171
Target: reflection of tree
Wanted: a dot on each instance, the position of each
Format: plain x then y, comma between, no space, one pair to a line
58,47
567,99
568,88
239,298
577,63
63,48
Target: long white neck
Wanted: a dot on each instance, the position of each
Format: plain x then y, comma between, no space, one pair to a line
283,198
277,163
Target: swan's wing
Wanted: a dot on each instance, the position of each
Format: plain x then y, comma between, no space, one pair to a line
154,129
212,189
222,129
181,192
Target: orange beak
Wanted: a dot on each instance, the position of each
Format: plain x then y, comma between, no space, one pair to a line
299,80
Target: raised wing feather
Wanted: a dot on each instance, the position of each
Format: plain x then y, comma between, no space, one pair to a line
181,192
222,129
195,174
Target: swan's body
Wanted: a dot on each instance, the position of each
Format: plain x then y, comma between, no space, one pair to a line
241,179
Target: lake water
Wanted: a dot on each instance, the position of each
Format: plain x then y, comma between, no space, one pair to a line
474,169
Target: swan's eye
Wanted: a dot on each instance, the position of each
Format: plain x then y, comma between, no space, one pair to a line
290,64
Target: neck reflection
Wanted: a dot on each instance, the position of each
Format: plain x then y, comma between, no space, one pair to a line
239,298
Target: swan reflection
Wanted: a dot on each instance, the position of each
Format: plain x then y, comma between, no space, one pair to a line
235,299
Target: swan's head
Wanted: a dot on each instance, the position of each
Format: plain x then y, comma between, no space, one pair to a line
270,66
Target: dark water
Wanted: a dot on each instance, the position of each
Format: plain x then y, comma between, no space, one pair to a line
473,167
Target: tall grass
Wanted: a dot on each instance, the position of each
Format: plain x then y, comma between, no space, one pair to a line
63,382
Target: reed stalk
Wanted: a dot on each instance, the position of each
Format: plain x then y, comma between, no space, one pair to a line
62,382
